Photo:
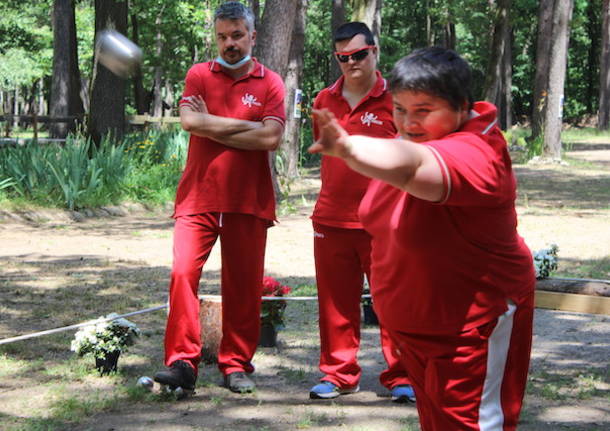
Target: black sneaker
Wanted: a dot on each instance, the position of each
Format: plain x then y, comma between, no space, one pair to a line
239,382
179,375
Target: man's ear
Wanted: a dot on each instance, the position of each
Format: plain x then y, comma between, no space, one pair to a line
253,37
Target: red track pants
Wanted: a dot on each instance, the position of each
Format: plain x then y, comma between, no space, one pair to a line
342,257
475,380
242,238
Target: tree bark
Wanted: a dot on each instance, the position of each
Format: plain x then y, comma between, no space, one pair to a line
506,95
293,80
603,116
139,94
273,39
107,112
543,48
337,18
368,12
272,49
65,87
494,84
157,98
551,146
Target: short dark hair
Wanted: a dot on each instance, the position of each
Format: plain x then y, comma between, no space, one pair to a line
235,10
350,29
435,70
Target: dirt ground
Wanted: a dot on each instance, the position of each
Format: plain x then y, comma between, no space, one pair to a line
59,269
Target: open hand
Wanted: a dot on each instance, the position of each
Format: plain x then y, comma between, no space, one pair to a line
333,140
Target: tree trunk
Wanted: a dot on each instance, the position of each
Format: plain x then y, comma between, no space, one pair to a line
293,80
272,49
157,108
551,146
107,111
494,76
543,48
337,18
368,12
273,40
65,88
139,94
603,117
506,98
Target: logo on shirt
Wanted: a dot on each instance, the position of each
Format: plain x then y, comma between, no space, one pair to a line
249,100
369,118
318,234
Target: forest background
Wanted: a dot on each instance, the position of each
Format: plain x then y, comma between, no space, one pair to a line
544,63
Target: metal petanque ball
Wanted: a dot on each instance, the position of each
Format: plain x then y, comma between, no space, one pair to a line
119,54
146,383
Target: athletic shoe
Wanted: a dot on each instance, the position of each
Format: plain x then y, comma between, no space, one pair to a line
403,394
239,382
326,390
179,375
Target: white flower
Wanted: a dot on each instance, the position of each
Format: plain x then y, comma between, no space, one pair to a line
545,261
100,338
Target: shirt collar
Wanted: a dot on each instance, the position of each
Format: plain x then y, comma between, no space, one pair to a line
378,89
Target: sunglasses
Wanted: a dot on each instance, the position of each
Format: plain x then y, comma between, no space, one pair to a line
356,55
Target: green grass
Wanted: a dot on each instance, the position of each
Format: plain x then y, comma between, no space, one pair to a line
586,134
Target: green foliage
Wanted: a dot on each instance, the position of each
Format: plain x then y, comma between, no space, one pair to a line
143,168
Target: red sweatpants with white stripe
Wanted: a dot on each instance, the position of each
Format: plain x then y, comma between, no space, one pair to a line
475,380
242,239
342,257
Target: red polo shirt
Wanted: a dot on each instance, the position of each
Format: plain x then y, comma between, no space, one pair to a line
342,188
449,267
218,178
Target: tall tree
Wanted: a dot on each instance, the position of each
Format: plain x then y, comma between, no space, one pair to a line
499,60
107,112
139,94
562,14
275,33
368,12
337,18
272,48
603,118
293,83
65,89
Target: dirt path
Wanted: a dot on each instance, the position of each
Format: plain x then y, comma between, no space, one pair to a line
57,271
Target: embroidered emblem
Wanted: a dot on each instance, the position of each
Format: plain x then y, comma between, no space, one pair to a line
249,100
318,235
369,118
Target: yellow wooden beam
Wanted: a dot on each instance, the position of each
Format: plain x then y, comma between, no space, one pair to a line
573,302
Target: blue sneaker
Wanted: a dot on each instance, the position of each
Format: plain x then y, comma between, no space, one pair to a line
403,394
326,390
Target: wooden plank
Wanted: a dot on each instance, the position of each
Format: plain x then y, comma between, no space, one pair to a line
573,302
144,119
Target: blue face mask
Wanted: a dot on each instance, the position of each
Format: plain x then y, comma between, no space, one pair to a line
237,65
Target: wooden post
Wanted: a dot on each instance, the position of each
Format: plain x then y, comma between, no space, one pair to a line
210,316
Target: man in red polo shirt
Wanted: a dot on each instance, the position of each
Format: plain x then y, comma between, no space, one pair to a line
233,108
362,104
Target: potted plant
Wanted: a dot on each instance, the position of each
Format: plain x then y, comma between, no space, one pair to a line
105,339
272,311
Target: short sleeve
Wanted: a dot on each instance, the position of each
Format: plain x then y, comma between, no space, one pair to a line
476,173
193,83
275,108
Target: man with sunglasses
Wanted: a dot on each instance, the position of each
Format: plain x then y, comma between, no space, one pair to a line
362,104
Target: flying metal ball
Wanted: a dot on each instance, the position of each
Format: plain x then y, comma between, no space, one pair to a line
119,54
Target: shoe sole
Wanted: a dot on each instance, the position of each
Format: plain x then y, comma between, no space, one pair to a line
333,394
403,399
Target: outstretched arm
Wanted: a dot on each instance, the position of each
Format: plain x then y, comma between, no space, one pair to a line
232,132
406,165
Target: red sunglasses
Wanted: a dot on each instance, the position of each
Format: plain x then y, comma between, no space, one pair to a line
356,55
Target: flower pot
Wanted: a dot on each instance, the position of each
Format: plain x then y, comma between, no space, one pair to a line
370,318
108,364
268,336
